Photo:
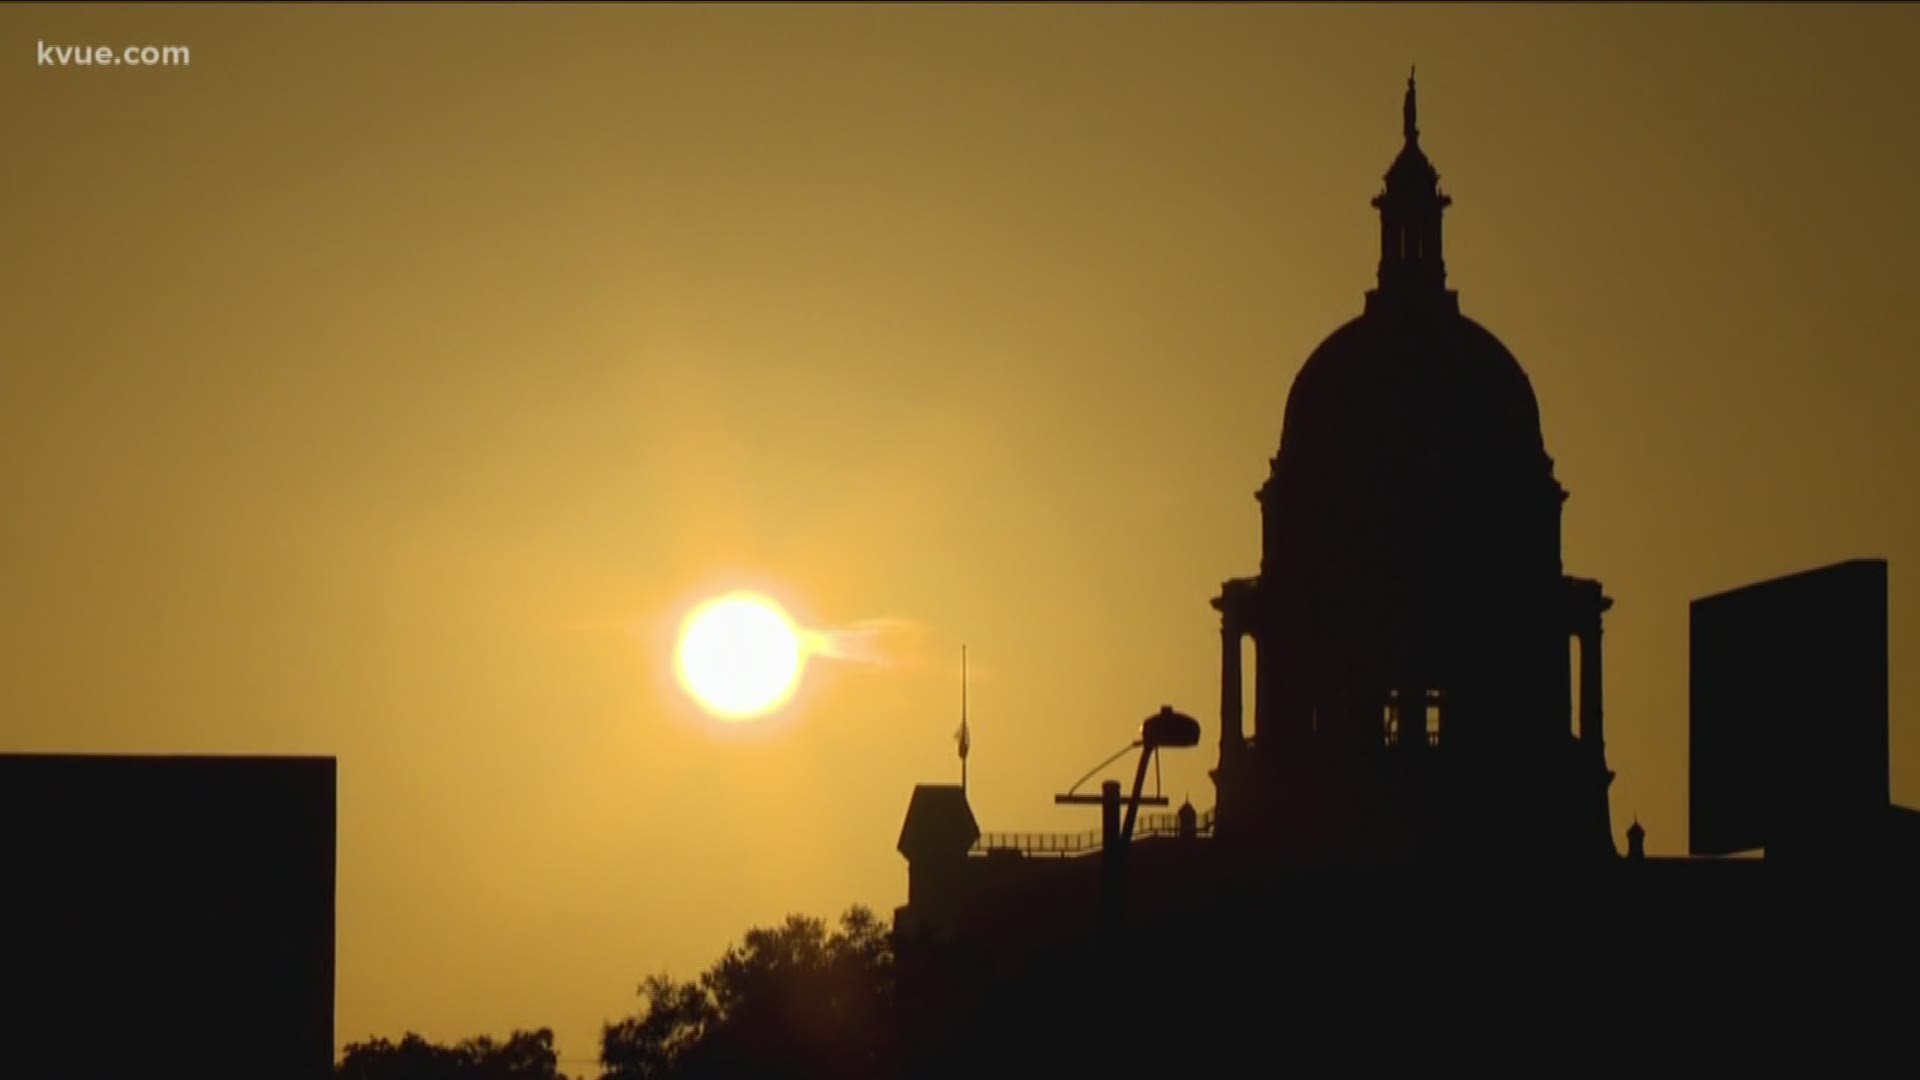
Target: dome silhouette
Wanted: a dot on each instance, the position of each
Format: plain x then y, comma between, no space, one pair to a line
1398,389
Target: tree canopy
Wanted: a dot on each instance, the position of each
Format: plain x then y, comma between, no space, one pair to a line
801,999
526,1055
796,1000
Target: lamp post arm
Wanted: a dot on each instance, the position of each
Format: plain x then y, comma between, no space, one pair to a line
1108,761
1133,804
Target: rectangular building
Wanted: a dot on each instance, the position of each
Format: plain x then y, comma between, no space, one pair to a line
1788,713
168,915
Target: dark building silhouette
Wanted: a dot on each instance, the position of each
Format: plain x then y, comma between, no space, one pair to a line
1415,635
1413,830
1411,620
167,916
1787,724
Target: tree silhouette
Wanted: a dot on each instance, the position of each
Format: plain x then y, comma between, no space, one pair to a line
526,1055
791,1001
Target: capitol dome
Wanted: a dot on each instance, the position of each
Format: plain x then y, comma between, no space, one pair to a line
1391,388
1411,395
1411,618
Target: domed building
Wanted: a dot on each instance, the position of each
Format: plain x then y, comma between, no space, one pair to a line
1414,632
1413,823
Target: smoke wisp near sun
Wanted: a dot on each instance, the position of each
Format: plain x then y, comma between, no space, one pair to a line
887,643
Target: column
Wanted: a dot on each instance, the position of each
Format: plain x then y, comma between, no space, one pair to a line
1591,722
1410,709
1230,723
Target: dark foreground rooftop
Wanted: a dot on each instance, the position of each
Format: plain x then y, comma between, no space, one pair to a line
168,915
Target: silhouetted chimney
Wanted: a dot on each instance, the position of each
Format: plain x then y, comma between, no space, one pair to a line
1636,841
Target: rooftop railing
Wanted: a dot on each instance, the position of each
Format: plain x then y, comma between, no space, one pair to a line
1064,845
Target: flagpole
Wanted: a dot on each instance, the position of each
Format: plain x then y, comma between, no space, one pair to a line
965,741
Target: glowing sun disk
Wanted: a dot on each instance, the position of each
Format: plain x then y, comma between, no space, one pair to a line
739,656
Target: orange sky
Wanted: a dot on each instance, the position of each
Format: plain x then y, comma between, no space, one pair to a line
366,376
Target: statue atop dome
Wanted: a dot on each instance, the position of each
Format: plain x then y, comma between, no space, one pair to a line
1408,127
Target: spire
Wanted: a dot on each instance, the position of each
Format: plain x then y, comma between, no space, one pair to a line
1409,124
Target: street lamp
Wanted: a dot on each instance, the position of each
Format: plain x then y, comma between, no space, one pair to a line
1165,729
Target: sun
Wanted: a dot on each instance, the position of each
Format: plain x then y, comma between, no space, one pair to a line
739,656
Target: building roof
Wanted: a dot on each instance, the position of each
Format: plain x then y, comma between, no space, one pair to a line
939,823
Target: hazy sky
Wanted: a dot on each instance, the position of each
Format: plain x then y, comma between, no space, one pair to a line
366,379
